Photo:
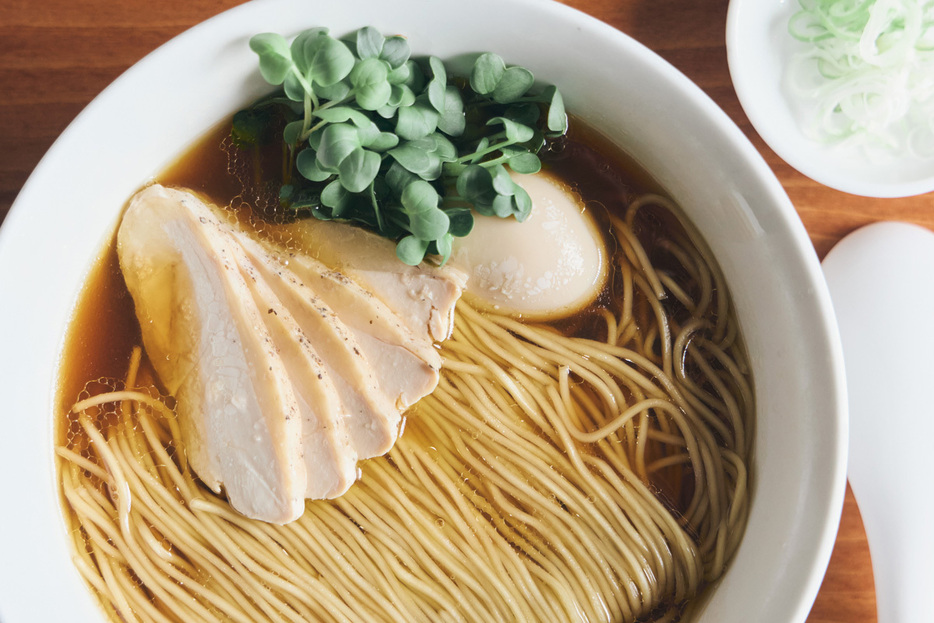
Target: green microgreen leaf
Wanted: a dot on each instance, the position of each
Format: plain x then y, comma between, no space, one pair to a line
522,203
321,58
429,225
416,121
502,182
475,185
395,51
314,139
502,206
336,197
334,92
441,145
438,84
514,83
412,157
393,143
292,132
525,162
382,142
482,146
420,196
275,58
487,71
359,169
411,250
337,141
340,114
369,79
416,79
368,133
426,220
515,132
369,42
444,246
293,87
401,96
526,113
399,75
557,121
307,164
452,121
461,221
398,177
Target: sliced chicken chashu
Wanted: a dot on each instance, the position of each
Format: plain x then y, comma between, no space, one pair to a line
286,371
372,416
407,368
423,296
406,365
330,460
209,345
363,310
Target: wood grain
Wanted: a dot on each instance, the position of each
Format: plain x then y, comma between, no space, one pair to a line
56,55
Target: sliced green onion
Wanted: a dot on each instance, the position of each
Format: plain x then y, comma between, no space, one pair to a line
865,72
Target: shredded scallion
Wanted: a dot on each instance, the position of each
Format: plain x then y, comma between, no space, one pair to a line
865,73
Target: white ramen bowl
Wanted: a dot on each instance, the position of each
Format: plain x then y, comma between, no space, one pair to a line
149,115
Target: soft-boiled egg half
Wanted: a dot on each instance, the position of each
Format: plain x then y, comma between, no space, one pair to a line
550,265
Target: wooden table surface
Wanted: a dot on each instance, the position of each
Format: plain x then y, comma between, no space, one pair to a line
56,55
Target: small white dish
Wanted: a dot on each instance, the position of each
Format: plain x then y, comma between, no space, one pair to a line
758,48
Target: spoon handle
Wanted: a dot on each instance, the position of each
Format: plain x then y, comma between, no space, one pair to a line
881,281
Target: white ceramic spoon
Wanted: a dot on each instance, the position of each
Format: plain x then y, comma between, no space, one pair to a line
881,280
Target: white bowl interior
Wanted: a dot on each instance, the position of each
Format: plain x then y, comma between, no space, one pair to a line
758,46
635,98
